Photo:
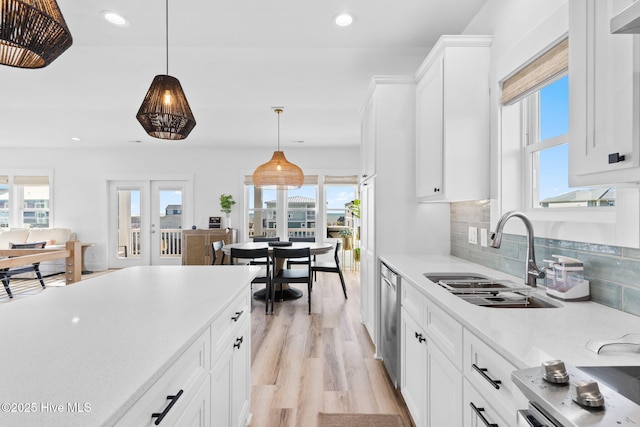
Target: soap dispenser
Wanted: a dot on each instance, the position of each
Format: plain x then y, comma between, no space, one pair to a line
567,279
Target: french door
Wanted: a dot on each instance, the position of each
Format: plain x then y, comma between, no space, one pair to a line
146,218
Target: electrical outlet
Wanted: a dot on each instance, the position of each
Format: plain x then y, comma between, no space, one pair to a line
473,235
483,237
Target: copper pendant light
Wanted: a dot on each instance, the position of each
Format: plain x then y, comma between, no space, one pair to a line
278,173
33,33
165,111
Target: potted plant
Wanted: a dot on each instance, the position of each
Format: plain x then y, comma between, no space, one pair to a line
226,204
356,254
355,211
347,238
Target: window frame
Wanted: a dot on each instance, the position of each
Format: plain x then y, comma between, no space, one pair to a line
16,196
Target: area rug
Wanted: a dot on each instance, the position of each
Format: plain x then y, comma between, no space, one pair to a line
359,420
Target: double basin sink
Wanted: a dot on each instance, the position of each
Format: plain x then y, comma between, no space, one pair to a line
487,292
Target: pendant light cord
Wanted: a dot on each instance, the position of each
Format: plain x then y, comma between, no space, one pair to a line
278,111
166,17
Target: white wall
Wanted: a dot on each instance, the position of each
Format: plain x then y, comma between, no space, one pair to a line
80,192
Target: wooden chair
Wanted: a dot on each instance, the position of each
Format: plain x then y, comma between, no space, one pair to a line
215,247
298,275
331,267
6,273
250,254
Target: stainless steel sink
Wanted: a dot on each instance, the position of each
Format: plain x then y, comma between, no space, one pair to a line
481,290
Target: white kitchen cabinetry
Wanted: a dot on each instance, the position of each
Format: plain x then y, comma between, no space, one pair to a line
490,374
232,365
211,378
478,412
604,96
452,120
431,353
387,184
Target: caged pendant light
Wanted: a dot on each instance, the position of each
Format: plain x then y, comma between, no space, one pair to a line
278,173
33,33
165,111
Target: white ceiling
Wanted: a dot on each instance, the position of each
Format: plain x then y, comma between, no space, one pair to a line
235,59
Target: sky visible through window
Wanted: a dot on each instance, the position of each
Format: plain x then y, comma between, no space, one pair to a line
554,121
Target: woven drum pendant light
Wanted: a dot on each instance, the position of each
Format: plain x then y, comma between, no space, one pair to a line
33,33
278,173
165,111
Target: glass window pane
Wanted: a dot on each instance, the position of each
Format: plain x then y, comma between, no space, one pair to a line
128,224
339,200
261,211
170,223
554,109
301,211
35,204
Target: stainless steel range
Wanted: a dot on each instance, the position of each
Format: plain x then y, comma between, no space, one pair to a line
567,396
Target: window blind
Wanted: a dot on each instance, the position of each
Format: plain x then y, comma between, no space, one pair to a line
31,180
541,70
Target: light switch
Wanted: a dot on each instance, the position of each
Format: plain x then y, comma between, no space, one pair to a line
473,235
483,237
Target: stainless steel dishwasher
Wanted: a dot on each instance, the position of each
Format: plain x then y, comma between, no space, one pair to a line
389,319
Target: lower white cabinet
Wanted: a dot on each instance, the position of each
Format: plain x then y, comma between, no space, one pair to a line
230,382
209,384
431,384
477,410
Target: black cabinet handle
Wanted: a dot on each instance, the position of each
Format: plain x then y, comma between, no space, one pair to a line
483,372
479,412
160,416
420,338
436,190
237,315
238,342
616,158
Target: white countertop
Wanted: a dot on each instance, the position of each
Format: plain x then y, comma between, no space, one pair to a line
105,340
526,337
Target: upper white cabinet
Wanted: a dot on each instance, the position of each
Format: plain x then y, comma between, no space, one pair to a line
452,120
368,139
603,118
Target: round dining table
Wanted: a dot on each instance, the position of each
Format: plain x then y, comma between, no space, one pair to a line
288,293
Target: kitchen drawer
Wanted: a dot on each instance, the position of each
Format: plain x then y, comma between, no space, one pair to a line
414,302
503,394
476,406
446,333
225,325
186,375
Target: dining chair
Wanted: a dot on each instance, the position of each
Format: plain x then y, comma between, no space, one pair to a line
300,239
331,267
262,261
6,273
265,273
296,275
215,247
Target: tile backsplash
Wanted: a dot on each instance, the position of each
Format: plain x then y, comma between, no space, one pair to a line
613,272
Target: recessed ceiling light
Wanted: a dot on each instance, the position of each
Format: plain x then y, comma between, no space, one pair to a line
115,18
75,138
298,141
343,19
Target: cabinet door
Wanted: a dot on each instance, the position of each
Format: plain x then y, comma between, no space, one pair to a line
241,375
194,249
368,257
603,96
368,139
444,392
198,411
221,389
414,369
429,132
477,410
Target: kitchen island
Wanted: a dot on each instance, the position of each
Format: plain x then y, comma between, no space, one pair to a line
95,352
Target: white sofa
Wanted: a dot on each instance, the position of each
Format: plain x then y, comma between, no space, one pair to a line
55,238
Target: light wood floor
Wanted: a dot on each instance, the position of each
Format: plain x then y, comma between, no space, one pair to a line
304,364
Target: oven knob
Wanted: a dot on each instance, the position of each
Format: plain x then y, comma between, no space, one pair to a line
587,393
555,372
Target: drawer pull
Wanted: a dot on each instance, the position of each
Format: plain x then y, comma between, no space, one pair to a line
160,416
420,338
479,412
238,342
237,315
482,371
